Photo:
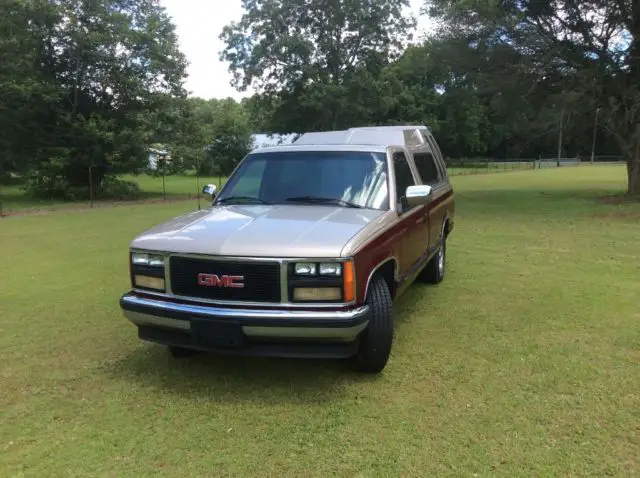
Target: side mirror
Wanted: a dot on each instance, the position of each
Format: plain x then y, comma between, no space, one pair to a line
209,190
418,195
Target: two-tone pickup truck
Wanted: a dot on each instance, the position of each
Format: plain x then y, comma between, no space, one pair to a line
302,251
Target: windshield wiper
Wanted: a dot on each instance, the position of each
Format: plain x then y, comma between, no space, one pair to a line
241,198
322,200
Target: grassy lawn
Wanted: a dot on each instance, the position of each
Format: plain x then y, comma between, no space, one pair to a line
524,361
15,200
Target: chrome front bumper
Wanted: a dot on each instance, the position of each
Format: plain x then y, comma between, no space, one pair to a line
266,324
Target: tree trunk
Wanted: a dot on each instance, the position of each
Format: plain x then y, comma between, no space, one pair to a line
633,167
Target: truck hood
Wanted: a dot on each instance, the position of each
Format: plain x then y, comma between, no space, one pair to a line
260,230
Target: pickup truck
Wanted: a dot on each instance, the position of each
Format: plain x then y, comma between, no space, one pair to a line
302,252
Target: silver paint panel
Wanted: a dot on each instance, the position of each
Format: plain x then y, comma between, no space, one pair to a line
260,230
340,333
222,312
344,333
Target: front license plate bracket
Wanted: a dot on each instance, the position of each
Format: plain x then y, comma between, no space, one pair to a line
217,333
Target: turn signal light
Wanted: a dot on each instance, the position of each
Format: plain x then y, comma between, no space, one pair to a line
348,282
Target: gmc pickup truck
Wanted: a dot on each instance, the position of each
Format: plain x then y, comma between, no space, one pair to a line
302,252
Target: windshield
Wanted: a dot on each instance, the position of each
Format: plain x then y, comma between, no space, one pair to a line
336,178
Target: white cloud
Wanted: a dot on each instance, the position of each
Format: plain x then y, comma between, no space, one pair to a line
198,25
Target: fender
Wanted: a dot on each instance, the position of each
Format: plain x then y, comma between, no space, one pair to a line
375,269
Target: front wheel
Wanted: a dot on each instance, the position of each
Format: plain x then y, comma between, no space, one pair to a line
375,344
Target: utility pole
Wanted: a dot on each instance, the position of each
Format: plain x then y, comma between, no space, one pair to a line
595,126
560,136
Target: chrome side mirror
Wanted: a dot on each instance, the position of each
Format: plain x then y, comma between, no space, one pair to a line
209,190
418,195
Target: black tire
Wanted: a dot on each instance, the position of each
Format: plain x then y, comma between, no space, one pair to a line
181,352
432,272
375,343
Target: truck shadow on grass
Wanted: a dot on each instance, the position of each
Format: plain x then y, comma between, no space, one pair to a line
236,378
232,378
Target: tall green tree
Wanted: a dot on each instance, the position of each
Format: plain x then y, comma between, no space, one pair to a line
228,135
587,52
315,58
104,68
25,93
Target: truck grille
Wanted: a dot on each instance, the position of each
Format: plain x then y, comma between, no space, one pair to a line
261,279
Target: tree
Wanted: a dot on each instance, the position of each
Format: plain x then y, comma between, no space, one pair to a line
101,69
223,134
24,92
587,53
312,57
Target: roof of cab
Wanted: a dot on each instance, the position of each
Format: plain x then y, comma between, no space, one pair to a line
370,138
401,135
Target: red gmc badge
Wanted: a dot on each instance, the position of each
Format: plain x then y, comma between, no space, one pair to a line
213,280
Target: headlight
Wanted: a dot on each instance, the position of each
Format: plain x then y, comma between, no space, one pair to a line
140,259
331,269
147,271
305,269
322,282
323,268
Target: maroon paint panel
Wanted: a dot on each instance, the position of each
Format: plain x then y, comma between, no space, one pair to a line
384,247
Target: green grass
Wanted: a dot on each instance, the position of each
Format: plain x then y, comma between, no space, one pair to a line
524,361
174,185
15,200
461,170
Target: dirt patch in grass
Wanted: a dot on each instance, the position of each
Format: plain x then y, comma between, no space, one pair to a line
626,207
618,199
628,214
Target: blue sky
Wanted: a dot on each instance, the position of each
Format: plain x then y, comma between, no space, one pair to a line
198,24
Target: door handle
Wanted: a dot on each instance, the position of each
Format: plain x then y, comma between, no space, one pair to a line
420,220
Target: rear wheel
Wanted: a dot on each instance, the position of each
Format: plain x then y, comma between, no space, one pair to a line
375,343
434,271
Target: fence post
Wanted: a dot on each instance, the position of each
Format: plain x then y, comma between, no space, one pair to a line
164,191
198,185
90,186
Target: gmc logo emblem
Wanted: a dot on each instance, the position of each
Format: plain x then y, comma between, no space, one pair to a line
212,280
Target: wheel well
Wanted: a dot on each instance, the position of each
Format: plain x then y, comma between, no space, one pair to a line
388,272
446,227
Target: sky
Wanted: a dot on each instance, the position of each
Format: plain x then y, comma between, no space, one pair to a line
198,24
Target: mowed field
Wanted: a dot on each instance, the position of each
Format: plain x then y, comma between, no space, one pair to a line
523,362
16,201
